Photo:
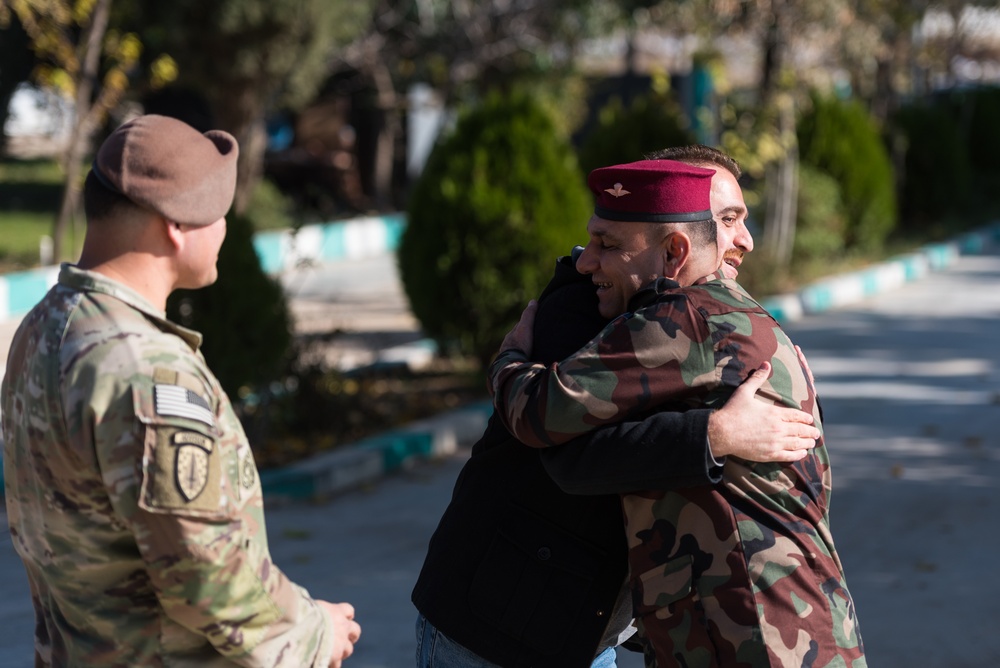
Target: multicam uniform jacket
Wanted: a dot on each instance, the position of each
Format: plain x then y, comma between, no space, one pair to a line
133,497
743,573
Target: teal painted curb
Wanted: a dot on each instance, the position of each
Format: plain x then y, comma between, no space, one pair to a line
350,239
850,288
351,466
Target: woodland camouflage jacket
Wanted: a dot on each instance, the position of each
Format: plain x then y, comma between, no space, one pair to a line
743,573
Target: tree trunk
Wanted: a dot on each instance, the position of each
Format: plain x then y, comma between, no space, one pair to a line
385,148
5,97
771,60
18,60
781,176
85,124
885,98
240,115
253,146
71,192
783,193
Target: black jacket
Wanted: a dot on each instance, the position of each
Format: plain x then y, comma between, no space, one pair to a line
521,572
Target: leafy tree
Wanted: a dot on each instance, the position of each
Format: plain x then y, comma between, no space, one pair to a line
16,63
249,57
937,176
73,43
819,232
653,121
464,50
499,199
760,130
878,51
840,138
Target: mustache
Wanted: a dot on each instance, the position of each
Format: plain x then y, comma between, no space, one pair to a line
733,253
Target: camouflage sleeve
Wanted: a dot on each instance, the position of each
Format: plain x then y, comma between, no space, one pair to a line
248,609
661,355
183,478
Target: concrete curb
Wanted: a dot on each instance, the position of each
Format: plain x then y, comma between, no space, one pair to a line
851,288
367,461
279,250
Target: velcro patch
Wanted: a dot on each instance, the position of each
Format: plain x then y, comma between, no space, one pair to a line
191,463
185,474
248,472
179,401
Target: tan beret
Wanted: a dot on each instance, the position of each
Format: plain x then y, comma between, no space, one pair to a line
165,165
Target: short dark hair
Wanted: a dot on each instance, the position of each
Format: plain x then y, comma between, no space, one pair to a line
101,203
698,155
701,232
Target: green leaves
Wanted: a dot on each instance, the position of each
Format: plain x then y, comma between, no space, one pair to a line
840,138
500,198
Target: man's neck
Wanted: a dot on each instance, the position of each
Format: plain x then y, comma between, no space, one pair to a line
140,272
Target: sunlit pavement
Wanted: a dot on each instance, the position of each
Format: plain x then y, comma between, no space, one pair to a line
910,385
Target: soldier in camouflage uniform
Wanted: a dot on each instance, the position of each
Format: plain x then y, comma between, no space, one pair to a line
743,573
132,493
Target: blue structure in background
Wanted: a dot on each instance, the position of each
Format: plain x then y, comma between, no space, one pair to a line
703,106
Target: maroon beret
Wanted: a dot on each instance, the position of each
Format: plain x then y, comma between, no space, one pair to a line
652,191
164,164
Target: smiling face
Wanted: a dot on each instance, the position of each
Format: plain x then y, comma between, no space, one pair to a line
730,213
621,260
624,257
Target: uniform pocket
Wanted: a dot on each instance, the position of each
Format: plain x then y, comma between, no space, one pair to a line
534,580
182,465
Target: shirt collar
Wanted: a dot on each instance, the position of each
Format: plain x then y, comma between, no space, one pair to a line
73,277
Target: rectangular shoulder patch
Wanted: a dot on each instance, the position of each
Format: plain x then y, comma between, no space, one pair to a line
182,402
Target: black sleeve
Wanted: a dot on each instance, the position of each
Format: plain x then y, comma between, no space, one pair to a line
667,450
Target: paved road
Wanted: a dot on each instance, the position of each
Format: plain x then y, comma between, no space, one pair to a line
910,383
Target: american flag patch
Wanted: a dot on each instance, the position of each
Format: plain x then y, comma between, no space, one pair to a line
182,402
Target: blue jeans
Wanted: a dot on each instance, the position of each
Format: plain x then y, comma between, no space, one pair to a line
606,659
436,650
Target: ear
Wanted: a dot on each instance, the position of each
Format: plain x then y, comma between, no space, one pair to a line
676,251
174,233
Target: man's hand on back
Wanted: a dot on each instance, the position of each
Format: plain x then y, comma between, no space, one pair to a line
757,430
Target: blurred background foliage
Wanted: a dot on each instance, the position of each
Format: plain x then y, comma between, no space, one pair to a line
839,138
864,127
499,199
622,133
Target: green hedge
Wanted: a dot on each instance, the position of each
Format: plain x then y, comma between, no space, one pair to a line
937,173
500,198
840,138
819,228
624,134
